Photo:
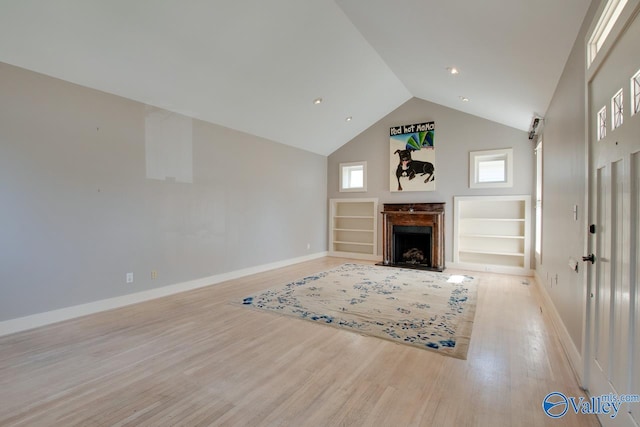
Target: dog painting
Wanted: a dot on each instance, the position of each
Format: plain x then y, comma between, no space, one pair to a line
412,157
409,168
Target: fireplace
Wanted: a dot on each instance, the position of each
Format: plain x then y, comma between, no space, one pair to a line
413,235
412,245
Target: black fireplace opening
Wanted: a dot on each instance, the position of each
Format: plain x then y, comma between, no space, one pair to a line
412,246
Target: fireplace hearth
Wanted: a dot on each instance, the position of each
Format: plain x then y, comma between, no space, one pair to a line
413,235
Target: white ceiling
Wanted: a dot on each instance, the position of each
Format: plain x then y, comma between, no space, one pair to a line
257,66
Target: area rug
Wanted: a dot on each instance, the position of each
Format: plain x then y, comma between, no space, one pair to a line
429,310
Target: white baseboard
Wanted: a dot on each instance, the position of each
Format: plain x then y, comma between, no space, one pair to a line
570,349
516,271
41,319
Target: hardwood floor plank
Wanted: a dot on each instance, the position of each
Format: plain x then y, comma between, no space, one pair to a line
200,358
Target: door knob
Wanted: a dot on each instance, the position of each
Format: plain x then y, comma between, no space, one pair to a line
591,258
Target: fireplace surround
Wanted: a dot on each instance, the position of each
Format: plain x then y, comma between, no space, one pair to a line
413,235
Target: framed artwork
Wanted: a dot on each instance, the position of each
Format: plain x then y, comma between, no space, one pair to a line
412,157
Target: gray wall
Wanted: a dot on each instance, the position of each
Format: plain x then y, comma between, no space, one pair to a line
77,210
456,134
564,182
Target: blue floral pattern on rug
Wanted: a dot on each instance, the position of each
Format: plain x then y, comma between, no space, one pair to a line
414,307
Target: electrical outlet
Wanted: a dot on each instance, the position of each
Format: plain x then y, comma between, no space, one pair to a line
154,274
308,246
129,278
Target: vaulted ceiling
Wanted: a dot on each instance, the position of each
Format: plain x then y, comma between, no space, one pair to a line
257,66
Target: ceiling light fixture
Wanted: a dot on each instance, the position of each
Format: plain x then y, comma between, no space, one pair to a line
453,71
317,101
348,119
464,99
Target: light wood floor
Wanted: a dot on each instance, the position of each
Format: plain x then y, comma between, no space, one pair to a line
195,359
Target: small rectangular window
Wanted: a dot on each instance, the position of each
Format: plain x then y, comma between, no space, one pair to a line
491,168
610,14
635,93
602,123
492,171
617,110
353,176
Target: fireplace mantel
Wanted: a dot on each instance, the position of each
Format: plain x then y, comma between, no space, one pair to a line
414,215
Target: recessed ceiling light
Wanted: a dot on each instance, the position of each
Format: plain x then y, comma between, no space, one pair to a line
349,118
464,99
317,101
453,70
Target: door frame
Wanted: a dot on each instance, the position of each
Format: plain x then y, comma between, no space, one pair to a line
631,9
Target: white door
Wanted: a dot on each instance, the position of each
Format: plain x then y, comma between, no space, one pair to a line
613,325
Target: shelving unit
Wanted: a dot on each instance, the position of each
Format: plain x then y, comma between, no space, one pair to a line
492,233
353,228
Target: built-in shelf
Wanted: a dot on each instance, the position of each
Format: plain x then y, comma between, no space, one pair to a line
517,254
491,236
495,219
353,228
353,243
353,217
492,233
